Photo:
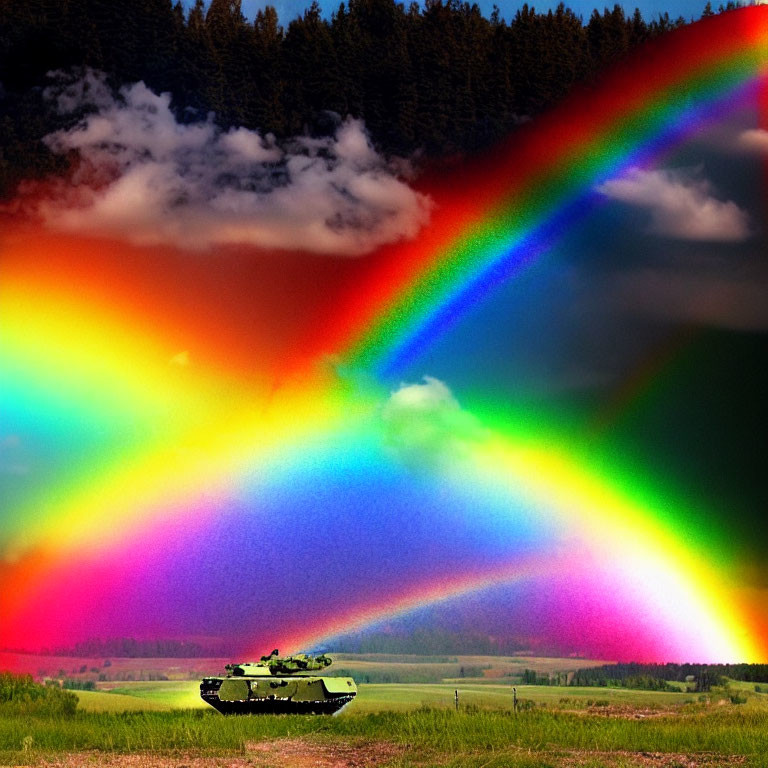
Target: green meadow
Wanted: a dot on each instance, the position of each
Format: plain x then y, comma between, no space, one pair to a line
157,695
153,696
404,724
433,736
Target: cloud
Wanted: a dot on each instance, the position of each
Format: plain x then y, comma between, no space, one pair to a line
680,207
753,140
424,423
151,179
433,396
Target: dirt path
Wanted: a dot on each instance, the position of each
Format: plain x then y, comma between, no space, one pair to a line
646,760
281,753
309,753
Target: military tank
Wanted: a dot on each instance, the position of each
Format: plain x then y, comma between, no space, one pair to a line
278,685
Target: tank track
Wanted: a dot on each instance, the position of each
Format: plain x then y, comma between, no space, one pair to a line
273,705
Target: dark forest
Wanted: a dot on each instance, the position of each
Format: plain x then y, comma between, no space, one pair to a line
438,80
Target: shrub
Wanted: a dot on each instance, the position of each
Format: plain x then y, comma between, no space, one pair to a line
78,685
21,696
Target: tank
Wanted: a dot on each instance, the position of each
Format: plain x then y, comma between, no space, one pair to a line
278,685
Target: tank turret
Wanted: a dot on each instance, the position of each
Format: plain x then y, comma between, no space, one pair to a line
278,685
275,664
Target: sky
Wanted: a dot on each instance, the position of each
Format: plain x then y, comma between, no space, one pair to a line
264,394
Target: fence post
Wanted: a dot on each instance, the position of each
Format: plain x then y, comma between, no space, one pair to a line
514,699
456,699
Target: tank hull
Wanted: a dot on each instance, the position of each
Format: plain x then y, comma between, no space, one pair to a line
294,695
278,706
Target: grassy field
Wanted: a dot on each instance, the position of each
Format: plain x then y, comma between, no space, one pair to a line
405,725
103,701
161,694
377,698
399,696
714,736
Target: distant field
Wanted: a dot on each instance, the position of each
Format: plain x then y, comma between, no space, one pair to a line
403,667
71,666
377,698
410,696
378,667
482,681
491,689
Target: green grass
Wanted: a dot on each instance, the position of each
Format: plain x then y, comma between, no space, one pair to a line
146,730
173,694
99,701
376,698
724,731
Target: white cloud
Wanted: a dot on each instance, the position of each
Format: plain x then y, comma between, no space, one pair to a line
753,140
425,423
146,177
430,396
680,207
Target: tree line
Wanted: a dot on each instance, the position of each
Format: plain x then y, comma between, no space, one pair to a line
653,676
440,79
131,648
636,681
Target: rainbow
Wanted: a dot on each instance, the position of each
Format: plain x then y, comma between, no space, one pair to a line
622,549
147,447
544,182
586,537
